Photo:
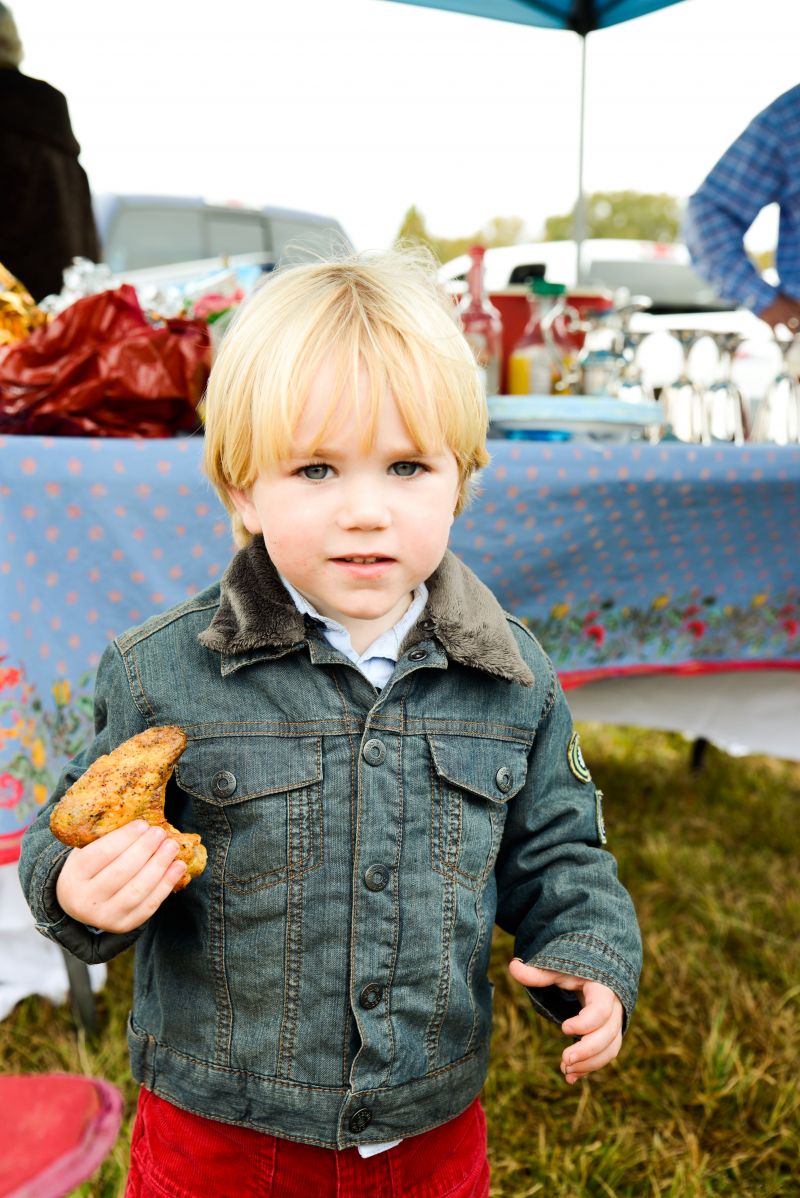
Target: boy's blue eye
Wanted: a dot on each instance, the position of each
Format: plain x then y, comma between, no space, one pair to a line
405,469
315,472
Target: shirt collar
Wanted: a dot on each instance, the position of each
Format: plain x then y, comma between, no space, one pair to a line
387,644
256,614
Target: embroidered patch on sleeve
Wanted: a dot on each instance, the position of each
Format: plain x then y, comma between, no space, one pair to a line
575,759
601,823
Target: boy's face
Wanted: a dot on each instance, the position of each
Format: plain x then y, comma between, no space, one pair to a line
354,531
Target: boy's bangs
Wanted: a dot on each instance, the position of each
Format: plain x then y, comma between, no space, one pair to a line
417,381
424,390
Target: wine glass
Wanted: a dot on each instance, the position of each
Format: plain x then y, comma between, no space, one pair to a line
778,417
632,386
724,407
682,400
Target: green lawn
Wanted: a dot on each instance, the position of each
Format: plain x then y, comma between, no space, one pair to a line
705,1099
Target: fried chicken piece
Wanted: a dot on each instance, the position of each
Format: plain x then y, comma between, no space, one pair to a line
127,784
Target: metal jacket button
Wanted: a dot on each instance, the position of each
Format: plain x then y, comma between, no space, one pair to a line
374,752
418,655
376,877
223,784
503,779
370,996
360,1119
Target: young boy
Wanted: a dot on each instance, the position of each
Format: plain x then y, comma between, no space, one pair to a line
381,764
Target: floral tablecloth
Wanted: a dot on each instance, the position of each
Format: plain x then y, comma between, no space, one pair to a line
622,558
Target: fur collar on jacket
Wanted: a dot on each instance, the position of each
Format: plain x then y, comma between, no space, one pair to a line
256,612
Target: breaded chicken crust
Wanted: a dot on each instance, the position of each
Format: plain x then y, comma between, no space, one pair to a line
126,784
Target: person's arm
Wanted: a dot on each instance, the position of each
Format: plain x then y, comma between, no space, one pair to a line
558,891
44,857
750,175
597,1027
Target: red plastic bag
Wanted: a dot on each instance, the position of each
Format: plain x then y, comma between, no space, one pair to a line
99,369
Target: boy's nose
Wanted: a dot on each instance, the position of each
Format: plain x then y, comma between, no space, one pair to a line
363,507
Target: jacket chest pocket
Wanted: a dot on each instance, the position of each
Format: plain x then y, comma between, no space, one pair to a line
269,791
471,782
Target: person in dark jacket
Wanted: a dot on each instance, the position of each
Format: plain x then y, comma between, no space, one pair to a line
46,216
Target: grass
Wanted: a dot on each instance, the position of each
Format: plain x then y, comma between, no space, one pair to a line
705,1098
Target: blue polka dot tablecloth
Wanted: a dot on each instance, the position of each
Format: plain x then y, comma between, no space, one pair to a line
621,558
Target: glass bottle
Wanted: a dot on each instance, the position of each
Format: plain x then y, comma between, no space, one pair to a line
481,322
532,369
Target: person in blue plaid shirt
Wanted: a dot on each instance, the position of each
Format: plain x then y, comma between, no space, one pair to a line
761,167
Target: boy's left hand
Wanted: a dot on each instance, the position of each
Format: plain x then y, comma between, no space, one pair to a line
599,1024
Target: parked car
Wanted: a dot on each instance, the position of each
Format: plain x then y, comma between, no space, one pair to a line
172,237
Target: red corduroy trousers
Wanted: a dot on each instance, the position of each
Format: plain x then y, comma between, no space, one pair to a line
175,1154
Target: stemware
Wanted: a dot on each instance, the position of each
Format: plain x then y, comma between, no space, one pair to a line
609,348
682,400
724,406
778,417
632,385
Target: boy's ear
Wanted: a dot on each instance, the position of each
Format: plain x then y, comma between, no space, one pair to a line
243,502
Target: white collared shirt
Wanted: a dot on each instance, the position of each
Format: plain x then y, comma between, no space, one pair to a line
379,659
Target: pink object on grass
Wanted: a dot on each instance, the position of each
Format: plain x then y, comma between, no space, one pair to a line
57,1129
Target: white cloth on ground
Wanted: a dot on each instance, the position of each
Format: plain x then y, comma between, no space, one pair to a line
29,963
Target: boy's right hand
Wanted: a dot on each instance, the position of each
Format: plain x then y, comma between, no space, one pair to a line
118,881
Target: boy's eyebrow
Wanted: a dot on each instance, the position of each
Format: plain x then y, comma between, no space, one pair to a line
397,452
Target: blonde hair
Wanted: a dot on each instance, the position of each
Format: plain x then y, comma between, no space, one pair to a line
382,314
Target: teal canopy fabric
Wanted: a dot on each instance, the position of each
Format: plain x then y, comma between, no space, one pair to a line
582,16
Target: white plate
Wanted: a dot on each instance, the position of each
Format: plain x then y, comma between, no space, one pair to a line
575,414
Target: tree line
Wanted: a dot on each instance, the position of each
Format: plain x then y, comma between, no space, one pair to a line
629,214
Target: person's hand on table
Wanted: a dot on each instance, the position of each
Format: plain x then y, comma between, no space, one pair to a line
782,310
118,881
599,1024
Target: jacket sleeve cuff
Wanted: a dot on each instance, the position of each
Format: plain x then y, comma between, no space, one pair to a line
586,956
56,925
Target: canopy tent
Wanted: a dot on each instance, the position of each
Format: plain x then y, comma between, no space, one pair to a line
580,16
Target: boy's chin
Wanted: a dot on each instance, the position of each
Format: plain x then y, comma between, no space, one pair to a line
374,614
377,610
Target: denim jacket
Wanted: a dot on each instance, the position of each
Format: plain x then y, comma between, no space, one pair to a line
325,979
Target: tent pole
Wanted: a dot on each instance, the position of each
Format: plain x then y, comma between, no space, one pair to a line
580,203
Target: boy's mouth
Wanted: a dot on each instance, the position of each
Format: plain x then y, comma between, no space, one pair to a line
364,566
363,560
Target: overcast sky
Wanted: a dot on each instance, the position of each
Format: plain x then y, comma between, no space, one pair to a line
360,108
